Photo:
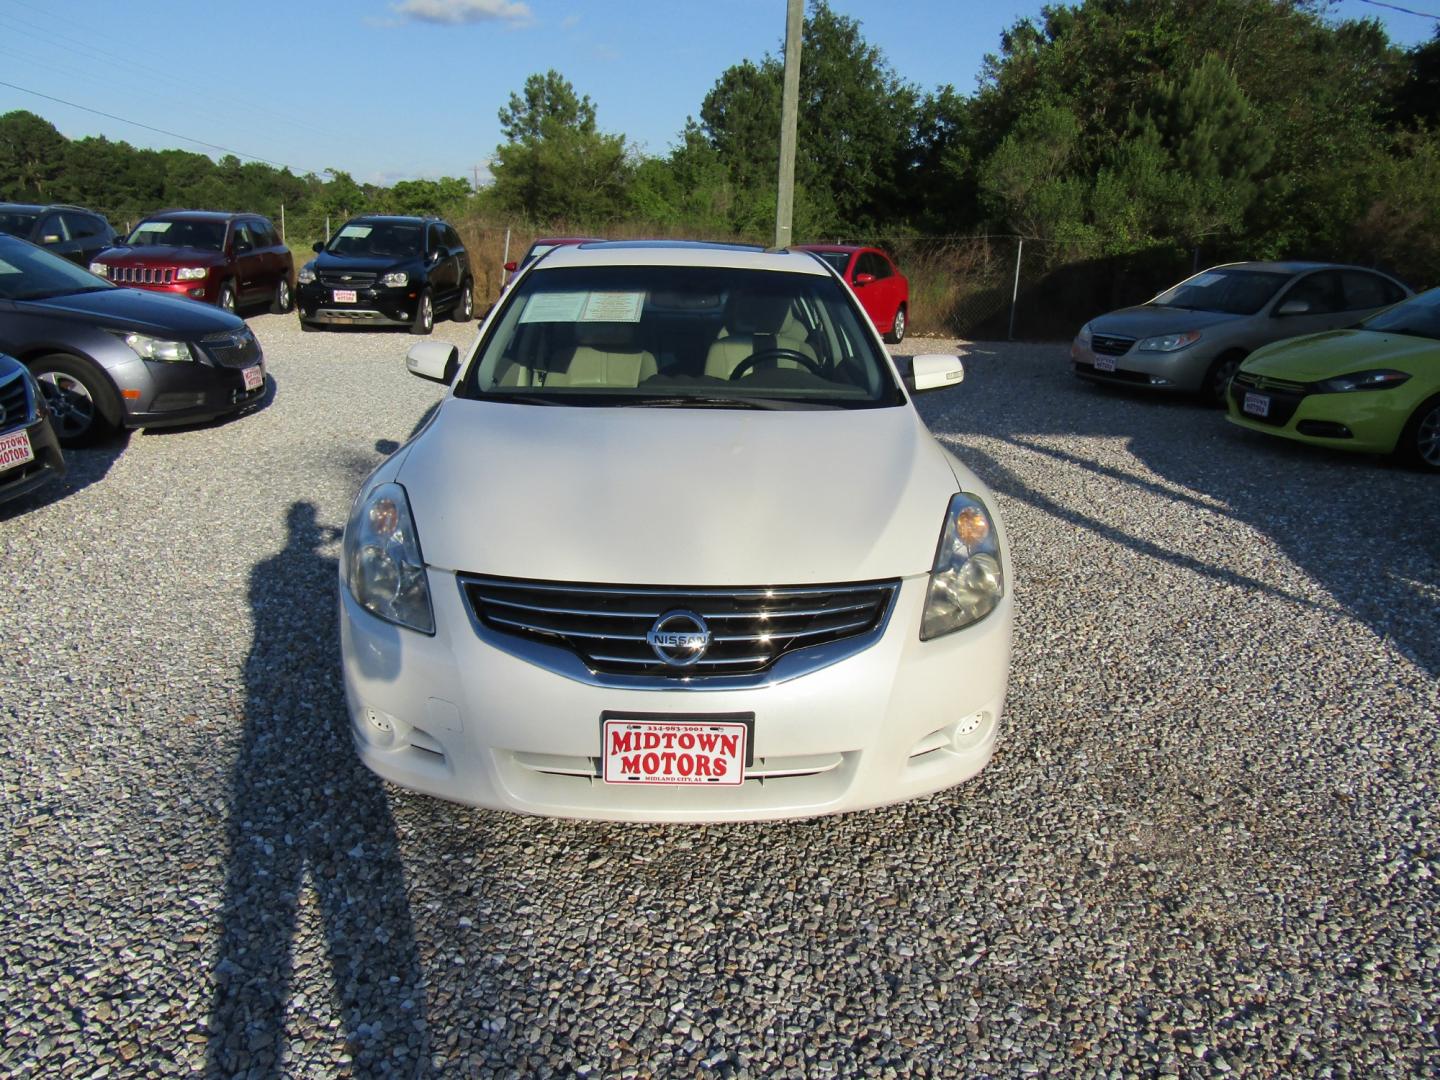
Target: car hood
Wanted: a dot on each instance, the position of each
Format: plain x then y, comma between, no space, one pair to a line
373,264
1339,352
160,256
135,310
1148,320
677,496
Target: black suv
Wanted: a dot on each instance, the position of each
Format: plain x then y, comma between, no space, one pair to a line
387,271
71,231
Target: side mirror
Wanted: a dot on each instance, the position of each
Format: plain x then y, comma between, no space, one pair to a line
318,246
1294,307
436,254
511,266
934,371
864,279
433,360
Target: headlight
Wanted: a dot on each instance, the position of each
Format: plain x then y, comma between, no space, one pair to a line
168,352
397,280
967,580
1169,342
1083,337
1382,379
382,560
191,273
100,269
306,275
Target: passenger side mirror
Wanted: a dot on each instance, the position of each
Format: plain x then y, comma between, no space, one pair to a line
510,266
318,246
864,279
934,371
1294,307
436,361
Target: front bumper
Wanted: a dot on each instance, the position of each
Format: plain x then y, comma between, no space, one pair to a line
373,305
1177,372
1366,421
48,465
455,717
206,291
190,393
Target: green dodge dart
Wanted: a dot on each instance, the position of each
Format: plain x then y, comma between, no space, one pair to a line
1374,388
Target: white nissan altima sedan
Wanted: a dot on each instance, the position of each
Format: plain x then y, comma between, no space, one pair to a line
675,546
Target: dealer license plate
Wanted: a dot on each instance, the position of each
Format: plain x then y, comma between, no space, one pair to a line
682,752
345,296
1257,404
254,377
15,450
1104,363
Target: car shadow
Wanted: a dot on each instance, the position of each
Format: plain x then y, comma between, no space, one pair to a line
1367,531
83,466
312,847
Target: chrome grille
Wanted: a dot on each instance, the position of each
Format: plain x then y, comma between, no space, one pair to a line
1110,344
141,275
606,625
346,279
14,401
232,348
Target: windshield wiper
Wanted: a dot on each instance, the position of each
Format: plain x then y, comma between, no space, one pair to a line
698,402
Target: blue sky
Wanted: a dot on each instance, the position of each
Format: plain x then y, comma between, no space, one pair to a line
394,89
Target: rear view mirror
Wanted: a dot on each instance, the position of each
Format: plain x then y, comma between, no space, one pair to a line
433,360
935,371
1294,307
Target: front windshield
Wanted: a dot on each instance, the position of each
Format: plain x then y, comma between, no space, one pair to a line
1229,291
384,239
17,224
200,235
1418,317
28,273
681,336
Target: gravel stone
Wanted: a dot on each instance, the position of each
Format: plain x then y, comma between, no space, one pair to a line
1207,843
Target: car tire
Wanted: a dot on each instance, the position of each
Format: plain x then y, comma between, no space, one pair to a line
897,329
284,299
1420,441
424,314
1217,379
226,300
309,327
464,309
84,407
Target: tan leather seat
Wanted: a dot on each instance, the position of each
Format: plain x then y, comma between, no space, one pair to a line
605,354
755,323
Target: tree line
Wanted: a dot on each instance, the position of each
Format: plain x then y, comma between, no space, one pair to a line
1106,128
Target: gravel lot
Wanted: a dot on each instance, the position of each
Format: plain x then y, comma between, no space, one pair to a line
1208,842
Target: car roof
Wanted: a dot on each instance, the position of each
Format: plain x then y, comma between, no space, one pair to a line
399,219
41,207
1290,266
558,240
198,215
847,248
680,253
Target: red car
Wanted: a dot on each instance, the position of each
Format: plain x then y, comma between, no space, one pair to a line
883,290
229,260
540,247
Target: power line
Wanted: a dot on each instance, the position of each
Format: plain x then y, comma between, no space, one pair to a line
1404,10
147,127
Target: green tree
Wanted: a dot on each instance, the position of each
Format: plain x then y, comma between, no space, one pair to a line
32,157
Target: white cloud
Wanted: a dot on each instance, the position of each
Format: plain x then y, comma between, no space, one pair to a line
456,12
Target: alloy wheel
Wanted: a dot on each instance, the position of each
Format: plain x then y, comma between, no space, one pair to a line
1427,438
72,409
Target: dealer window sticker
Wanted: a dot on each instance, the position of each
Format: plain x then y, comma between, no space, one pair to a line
154,226
613,307
359,232
1206,279
6,268
554,307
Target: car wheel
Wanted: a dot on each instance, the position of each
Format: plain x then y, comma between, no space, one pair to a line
309,327
1420,441
897,330
1217,379
424,315
226,300
283,300
464,309
83,404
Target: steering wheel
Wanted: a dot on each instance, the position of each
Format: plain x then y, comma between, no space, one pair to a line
743,368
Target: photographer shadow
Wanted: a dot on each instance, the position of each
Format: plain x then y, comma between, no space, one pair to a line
311,841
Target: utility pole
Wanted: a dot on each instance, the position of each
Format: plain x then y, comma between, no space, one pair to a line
789,114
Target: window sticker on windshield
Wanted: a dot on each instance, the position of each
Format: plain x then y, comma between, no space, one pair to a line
613,307
6,268
1205,279
357,231
154,226
554,307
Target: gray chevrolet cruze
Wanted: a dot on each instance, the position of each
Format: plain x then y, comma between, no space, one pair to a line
1192,337
108,357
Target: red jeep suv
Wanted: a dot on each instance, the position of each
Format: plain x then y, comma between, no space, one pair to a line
229,260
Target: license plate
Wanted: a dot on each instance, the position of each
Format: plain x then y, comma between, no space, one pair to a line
1257,404
345,296
1104,363
15,450
254,377
676,752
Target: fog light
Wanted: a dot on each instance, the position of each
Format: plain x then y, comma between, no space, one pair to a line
960,738
1156,380
384,731
196,292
